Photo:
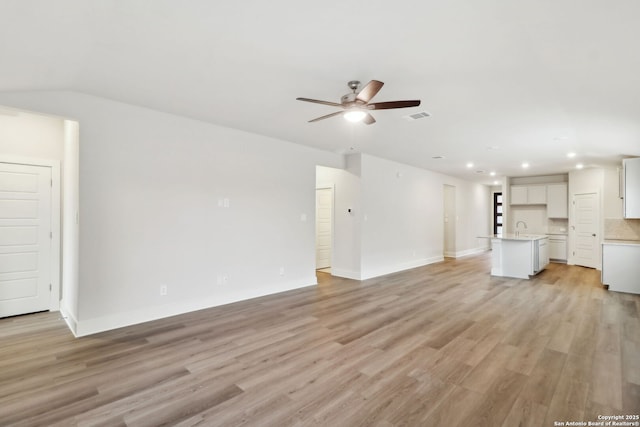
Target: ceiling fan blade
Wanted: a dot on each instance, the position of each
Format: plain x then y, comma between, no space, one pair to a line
368,119
369,91
326,117
393,104
316,101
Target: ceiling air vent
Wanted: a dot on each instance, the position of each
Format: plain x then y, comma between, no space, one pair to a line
416,116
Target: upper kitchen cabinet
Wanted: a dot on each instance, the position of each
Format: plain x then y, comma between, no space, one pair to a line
528,194
557,205
631,170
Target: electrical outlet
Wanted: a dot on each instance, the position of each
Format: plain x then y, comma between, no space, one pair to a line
282,271
225,280
163,290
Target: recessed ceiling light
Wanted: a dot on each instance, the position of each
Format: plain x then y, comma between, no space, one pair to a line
437,157
525,165
571,155
470,165
492,173
496,182
579,166
480,171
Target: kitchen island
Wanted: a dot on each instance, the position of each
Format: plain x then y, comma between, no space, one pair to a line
519,255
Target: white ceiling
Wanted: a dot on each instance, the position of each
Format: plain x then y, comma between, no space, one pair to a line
505,81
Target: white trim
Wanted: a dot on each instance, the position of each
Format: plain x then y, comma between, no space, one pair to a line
146,314
54,301
347,274
473,251
71,321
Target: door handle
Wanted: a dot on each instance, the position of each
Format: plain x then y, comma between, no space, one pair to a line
594,234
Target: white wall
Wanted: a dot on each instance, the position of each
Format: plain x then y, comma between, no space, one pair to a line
396,221
70,225
150,187
151,202
611,197
31,135
346,231
402,216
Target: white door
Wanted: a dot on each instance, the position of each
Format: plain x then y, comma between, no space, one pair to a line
449,221
25,238
324,215
585,226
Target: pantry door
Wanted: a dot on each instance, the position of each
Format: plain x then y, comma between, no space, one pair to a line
25,238
586,247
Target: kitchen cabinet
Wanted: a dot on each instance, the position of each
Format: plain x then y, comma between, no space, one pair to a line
518,195
537,194
631,171
557,205
558,247
620,266
528,195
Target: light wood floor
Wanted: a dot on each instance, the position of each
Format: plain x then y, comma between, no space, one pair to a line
441,345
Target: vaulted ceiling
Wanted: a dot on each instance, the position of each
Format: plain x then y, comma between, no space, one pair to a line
504,82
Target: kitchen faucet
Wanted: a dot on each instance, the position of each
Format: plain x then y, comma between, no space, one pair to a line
517,224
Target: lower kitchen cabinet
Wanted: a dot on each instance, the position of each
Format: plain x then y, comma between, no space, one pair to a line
620,266
558,248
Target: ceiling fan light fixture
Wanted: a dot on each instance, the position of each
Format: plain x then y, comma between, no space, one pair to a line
354,115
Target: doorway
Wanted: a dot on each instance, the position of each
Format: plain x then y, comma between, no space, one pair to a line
449,204
324,228
585,228
26,238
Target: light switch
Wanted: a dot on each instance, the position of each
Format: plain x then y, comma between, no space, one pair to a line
303,217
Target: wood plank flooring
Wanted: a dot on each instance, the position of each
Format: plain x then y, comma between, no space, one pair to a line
440,345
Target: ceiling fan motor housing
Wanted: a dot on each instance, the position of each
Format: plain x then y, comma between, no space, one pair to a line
348,98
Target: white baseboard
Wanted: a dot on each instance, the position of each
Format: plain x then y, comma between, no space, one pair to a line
376,272
70,320
460,254
347,274
86,327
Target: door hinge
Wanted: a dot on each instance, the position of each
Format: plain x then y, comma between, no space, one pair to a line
51,183
51,234
50,287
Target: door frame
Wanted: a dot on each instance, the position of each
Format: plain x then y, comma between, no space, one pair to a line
54,297
572,228
332,187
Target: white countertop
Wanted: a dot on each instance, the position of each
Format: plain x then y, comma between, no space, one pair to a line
621,242
522,236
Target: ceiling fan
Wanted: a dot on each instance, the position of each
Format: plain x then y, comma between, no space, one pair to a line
356,106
